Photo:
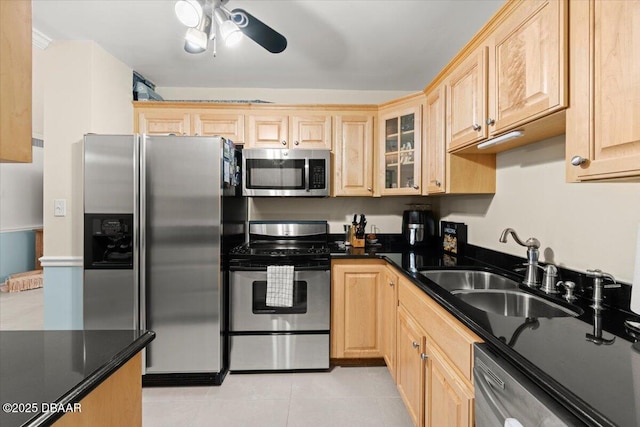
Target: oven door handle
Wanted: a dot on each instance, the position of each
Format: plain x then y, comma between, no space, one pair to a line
483,383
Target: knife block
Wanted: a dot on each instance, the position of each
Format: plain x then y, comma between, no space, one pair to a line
356,243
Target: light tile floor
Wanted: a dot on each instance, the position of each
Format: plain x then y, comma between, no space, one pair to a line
345,396
22,310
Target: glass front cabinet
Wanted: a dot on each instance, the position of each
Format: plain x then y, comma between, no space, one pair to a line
400,152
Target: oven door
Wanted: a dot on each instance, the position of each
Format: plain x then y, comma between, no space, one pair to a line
310,311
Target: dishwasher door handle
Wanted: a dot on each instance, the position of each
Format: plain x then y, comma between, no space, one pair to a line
484,384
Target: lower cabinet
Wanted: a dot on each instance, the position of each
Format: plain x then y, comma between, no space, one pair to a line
410,370
434,361
387,322
448,400
376,312
355,305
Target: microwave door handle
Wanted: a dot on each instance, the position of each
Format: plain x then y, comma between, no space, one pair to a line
306,175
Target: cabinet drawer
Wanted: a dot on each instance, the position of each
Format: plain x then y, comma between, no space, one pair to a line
453,338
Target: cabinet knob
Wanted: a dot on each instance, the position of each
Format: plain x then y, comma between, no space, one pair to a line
369,189
423,356
476,127
284,142
438,183
578,160
391,283
415,187
415,344
490,121
296,143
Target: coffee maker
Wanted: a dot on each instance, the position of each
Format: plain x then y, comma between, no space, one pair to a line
418,225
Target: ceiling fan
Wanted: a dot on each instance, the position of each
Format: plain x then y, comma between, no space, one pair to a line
210,20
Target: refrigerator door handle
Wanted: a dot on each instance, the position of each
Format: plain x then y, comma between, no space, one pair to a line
142,255
137,324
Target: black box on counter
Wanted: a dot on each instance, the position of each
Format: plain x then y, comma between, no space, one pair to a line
454,237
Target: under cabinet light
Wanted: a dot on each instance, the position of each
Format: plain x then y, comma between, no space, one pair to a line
501,139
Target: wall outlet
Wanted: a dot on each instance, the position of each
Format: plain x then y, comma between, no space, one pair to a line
60,207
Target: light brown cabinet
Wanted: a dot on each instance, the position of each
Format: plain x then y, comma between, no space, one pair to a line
446,358
353,155
467,101
400,148
15,81
444,172
355,309
433,178
227,124
527,65
189,122
513,78
117,401
448,400
163,121
388,315
410,372
311,131
603,136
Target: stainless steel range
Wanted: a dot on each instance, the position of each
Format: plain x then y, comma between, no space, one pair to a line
266,333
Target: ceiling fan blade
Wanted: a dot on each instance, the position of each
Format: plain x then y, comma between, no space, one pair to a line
258,31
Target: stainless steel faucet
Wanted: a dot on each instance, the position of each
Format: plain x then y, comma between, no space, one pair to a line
598,285
532,244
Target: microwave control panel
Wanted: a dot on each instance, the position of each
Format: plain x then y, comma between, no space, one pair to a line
317,174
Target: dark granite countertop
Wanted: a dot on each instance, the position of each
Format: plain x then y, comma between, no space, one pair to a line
600,383
41,370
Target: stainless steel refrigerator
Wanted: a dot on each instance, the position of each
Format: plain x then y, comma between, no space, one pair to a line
183,200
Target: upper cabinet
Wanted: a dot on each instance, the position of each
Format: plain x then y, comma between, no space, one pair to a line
196,121
163,121
353,155
312,131
15,81
514,77
527,65
227,124
433,178
467,101
603,136
399,148
449,173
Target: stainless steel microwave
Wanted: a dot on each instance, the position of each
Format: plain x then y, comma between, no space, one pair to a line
282,172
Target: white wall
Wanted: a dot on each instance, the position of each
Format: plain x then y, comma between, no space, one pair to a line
86,90
385,213
283,96
21,194
580,226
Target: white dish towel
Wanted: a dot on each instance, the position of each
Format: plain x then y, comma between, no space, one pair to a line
279,286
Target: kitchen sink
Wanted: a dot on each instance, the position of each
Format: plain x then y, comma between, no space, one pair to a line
453,280
513,303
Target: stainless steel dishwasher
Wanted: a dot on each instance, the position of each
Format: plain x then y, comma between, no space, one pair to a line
506,397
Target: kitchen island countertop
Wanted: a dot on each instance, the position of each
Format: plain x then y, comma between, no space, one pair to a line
44,373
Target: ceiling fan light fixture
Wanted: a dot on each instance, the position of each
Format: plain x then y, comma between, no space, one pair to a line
192,48
196,40
189,12
230,33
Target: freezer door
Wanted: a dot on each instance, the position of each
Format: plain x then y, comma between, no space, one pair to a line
109,173
110,299
180,245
